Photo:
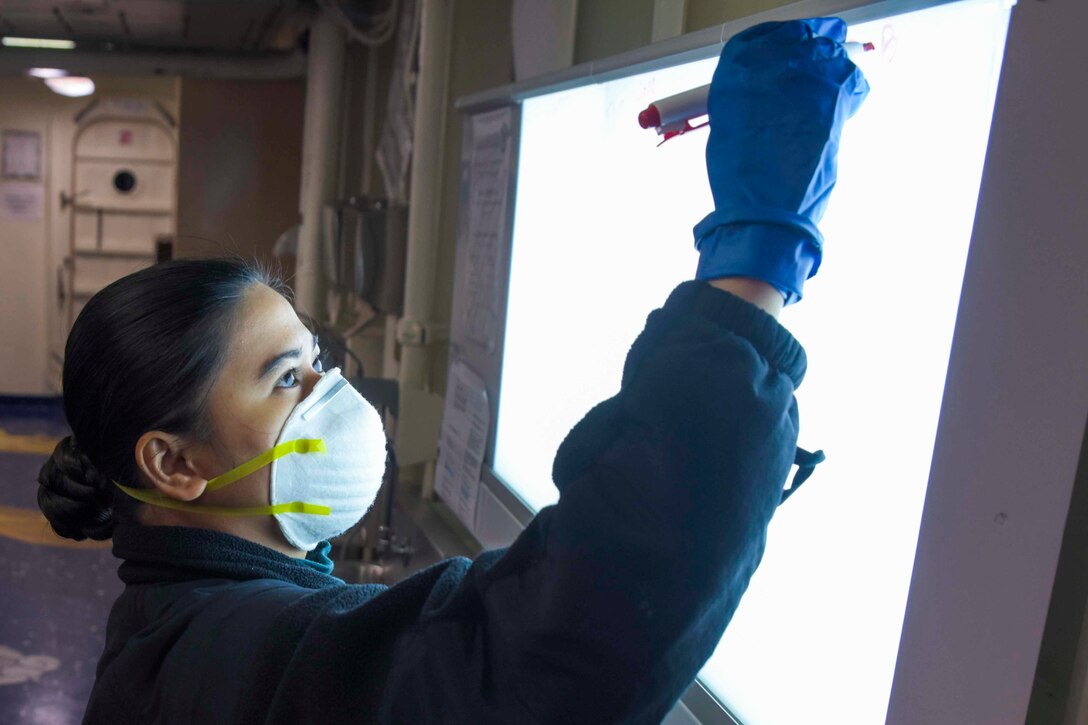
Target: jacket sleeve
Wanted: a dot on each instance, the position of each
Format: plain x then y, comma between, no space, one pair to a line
605,608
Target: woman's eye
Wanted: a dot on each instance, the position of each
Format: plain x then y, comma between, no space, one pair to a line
289,379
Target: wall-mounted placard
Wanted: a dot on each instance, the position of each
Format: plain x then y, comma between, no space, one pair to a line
21,202
21,156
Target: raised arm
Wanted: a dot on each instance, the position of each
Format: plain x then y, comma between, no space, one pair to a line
607,605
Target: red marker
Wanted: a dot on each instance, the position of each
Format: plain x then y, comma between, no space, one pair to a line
672,116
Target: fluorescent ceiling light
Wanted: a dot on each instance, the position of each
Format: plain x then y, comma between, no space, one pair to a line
38,43
46,72
73,86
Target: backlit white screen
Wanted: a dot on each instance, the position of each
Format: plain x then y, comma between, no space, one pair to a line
602,233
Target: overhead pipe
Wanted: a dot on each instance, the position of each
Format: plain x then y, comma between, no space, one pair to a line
272,66
320,151
416,329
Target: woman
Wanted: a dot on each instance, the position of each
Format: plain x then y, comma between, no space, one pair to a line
208,441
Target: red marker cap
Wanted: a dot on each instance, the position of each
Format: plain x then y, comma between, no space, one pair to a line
650,118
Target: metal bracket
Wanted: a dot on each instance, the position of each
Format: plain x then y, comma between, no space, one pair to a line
414,332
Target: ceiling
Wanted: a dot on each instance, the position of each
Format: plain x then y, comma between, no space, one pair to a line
222,26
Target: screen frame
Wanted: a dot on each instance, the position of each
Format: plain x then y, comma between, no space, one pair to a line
957,661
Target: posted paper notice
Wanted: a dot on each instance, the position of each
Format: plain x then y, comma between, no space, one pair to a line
488,184
465,424
21,202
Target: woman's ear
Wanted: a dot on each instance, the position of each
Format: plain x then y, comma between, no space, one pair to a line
168,465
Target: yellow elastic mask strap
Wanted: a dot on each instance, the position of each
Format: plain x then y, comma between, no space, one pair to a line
301,445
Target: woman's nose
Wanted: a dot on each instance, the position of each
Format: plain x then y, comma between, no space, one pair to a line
309,380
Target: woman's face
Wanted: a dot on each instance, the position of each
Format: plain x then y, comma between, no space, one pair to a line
270,367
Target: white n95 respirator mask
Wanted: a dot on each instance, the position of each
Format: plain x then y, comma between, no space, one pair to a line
327,467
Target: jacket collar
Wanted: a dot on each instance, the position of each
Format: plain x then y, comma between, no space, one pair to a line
157,554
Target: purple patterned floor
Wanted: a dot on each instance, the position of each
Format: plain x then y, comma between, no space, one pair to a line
53,601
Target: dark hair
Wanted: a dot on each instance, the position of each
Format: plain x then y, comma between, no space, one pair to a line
142,355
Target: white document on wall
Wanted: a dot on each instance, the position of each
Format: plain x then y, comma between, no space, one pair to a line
21,202
465,423
20,155
488,186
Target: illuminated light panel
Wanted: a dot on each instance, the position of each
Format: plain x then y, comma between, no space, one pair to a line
71,86
47,43
44,73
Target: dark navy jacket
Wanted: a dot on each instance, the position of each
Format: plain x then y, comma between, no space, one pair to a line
602,611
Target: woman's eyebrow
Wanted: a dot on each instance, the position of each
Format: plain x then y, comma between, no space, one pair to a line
271,364
289,354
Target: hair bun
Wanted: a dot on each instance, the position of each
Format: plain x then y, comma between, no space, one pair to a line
74,496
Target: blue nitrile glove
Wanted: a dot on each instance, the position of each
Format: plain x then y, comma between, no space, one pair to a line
779,98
